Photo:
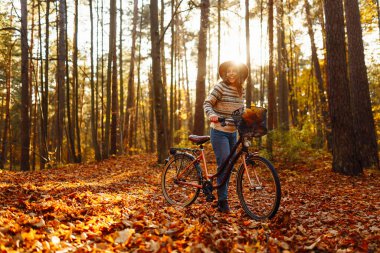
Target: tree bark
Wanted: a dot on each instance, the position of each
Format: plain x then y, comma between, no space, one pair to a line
199,120
248,95
114,98
111,53
271,87
219,35
25,127
317,69
364,125
151,114
160,99
94,134
131,80
3,154
72,121
121,78
345,156
283,91
61,73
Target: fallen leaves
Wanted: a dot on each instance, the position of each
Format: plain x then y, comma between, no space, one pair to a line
117,205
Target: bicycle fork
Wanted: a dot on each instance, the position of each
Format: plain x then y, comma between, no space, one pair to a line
251,184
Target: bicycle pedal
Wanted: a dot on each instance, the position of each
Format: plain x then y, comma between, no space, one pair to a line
210,198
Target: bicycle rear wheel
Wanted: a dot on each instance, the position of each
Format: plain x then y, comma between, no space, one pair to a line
175,175
259,188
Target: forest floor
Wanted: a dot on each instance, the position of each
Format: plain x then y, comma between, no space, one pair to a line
117,205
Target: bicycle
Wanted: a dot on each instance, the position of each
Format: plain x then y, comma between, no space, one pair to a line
257,185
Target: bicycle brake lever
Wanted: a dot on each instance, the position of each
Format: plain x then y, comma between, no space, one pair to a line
222,121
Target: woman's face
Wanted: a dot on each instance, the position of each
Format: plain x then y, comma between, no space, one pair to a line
232,74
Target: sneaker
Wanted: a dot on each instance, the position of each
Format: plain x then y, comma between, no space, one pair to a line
223,206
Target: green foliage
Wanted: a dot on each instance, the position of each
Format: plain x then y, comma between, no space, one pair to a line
182,135
289,145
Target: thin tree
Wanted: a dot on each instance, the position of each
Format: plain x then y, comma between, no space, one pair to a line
131,80
219,34
378,14
25,120
75,118
94,134
271,87
317,67
45,95
364,125
248,95
159,97
3,154
283,101
111,53
61,72
114,96
172,69
199,120
121,78
344,150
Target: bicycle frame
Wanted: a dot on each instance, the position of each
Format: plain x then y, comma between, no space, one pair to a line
226,165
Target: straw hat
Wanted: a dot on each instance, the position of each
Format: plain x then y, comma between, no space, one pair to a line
242,68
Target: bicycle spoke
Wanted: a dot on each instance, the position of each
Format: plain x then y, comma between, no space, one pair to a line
178,171
259,189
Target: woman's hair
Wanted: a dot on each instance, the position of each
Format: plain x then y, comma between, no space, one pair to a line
239,81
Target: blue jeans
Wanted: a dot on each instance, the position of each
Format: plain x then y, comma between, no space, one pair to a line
222,143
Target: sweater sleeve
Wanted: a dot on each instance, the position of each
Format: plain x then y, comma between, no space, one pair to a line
212,99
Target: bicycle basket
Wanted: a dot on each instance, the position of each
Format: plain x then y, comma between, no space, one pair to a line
251,122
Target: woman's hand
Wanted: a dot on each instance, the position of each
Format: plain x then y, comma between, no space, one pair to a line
214,118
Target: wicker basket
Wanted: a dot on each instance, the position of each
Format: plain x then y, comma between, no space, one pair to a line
251,122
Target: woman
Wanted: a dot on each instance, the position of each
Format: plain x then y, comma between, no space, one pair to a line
226,97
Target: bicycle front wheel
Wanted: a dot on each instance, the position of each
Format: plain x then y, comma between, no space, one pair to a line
178,180
259,188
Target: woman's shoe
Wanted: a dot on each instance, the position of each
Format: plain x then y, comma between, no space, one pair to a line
223,206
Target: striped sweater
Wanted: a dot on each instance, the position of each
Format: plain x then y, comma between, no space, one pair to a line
222,101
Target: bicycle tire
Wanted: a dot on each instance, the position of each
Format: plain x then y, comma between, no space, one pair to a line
261,195
174,193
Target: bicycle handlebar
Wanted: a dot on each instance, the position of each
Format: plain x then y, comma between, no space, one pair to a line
222,121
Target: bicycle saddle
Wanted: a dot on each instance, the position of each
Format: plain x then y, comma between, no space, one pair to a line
199,139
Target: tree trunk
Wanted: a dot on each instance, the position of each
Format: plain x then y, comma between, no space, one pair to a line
160,99
378,15
44,155
172,69
121,72
248,95
3,154
283,102
162,44
31,75
41,116
317,68
131,80
25,120
364,125
271,87
188,98
199,120
61,73
94,134
219,35
114,95
138,85
74,124
345,156
151,114
111,53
